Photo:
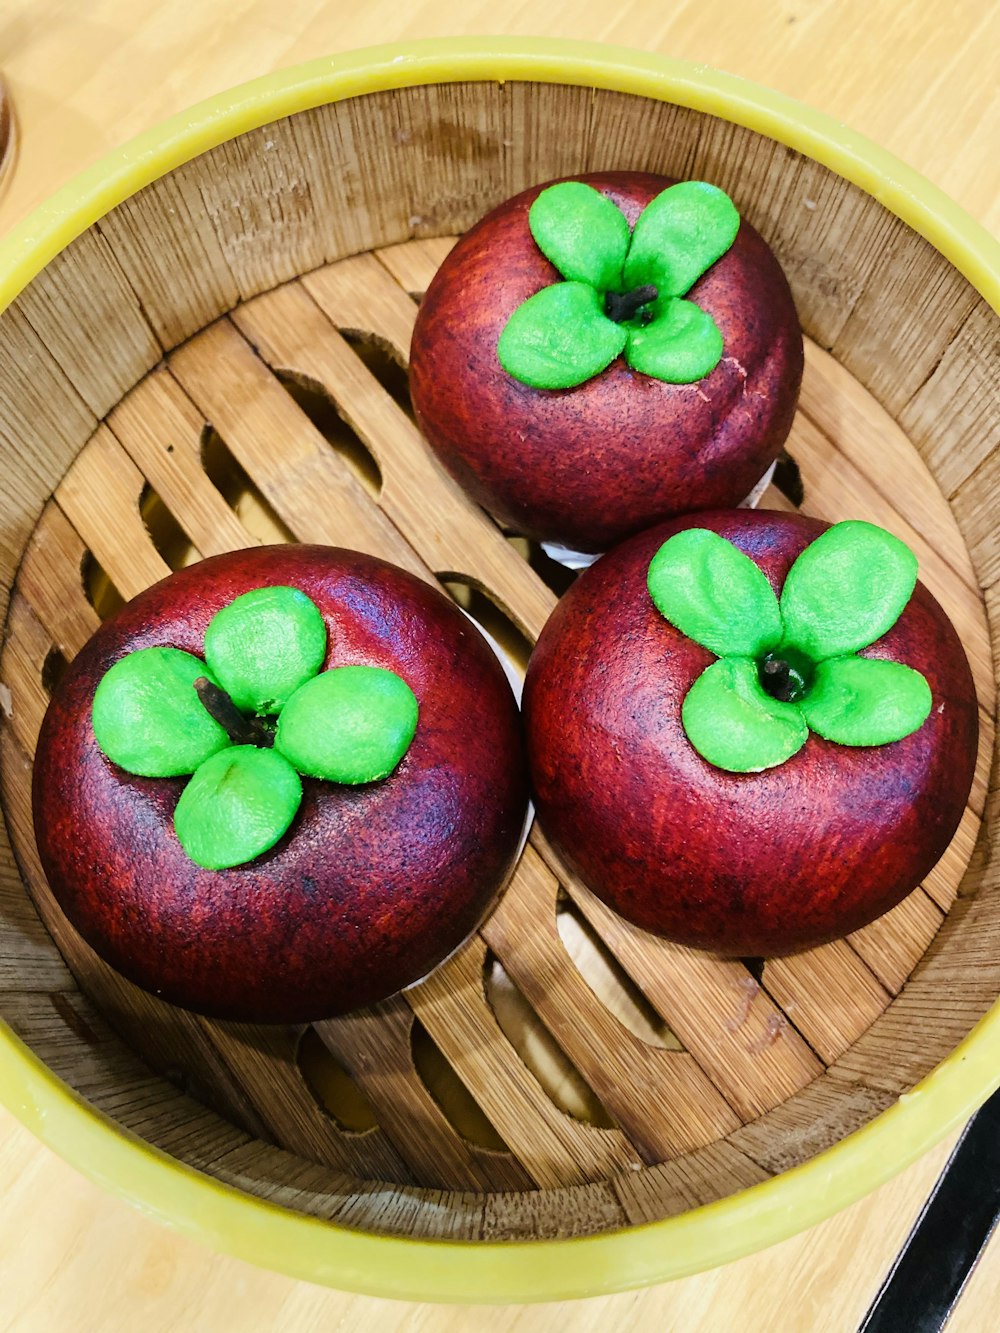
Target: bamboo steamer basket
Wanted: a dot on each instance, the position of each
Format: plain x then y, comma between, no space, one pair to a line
203,346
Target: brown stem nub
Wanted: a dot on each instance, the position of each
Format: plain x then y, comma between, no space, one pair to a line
621,306
242,730
778,680
786,675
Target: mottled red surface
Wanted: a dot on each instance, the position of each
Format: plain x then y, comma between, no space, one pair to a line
591,465
745,864
371,887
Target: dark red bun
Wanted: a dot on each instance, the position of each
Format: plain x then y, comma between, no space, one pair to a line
371,887
592,465
744,864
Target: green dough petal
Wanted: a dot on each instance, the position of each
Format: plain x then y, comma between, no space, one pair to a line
680,234
714,594
560,337
846,589
351,724
582,232
237,806
862,701
680,345
264,645
148,718
733,724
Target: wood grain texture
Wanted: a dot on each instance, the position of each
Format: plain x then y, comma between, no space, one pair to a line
376,1048
428,507
164,434
101,76
728,1023
101,495
313,492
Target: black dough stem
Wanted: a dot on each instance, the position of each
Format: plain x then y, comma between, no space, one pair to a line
783,680
242,730
779,680
620,306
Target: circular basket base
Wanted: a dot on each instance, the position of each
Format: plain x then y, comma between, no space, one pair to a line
563,1073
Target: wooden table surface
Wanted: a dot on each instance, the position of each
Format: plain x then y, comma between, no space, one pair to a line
922,77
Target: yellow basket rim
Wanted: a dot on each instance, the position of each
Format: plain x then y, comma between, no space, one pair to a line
507,1271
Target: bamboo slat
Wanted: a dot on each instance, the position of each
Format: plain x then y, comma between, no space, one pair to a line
103,346
163,432
960,383
51,582
313,491
553,1147
101,496
431,511
376,1047
652,1094
701,1177
717,1009
828,993
835,402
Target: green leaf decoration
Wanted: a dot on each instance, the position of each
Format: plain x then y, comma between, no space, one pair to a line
264,645
582,232
680,345
714,594
237,806
733,724
560,337
862,701
680,234
846,589
352,724
563,335
147,717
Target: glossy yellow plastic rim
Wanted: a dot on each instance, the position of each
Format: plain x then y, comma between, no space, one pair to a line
481,1272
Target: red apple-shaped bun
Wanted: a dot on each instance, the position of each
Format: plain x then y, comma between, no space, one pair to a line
371,886
589,466
743,863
